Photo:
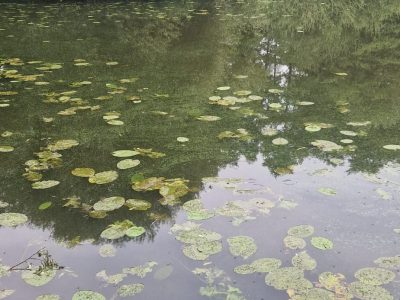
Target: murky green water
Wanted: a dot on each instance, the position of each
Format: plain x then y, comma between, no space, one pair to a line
273,113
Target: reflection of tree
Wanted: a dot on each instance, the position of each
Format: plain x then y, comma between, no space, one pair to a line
295,45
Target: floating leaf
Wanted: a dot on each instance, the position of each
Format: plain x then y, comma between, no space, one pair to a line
38,278
109,204
12,219
88,295
223,88
6,293
327,191
280,141
136,204
243,246
301,231
103,177
315,294
182,139
312,128
135,231
326,146
40,185
391,262
83,172
383,194
374,276
244,269
275,91
369,292
127,290
128,163
202,251
348,133
45,205
116,230
265,265
148,184
288,278
5,149
208,118
294,243
321,243
142,270
125,153
62,145
304,261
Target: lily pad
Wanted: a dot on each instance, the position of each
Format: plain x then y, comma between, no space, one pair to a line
315,294
125,153
6,293
35,278
12,219
374,276
280,141
83,172
127,164
103,177
244,269
202,250
5,149
40,185
321,243
326,146
142,270
369,292
128,290
182,139
312,128
265,265
301,231
288,278
208,118
45,205
304,261
293,242
392,147
109,204
88,295
137,204
62,145
391,262
135,231
48,297
243,246
327,191
223,88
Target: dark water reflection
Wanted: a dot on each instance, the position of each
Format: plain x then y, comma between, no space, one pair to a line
181,52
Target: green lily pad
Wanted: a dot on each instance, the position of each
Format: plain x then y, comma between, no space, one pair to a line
45,205
40,185
305,103
128,290
392,147
125,153
148,184
208,118
348,133
326,146
182,139
103,177
293,242
107,251
223,88
244,269
304,261
110,279
327,191
202,250
88,295
197,236
35,278
142,270
62,145
391,262
369,292
137,204
333,282
6,149
275,91
275,105
301,231
243,246
374,276
288,278
280,141
127,164
135,231
312,128
265,265
116,230
109,204
83,172
315,294
12,219
321,243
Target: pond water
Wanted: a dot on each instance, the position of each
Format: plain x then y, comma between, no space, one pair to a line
238,121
